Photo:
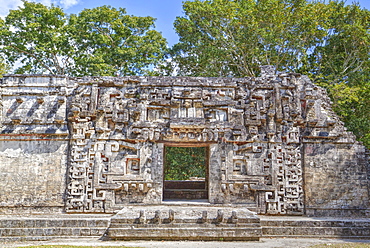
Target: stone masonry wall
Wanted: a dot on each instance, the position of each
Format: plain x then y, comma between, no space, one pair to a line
96,144
32,175
33,143
336,167
333,185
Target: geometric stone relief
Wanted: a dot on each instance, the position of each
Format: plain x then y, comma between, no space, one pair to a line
116,124
288,197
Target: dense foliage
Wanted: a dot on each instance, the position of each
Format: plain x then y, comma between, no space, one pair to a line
328,41
100,41
181,163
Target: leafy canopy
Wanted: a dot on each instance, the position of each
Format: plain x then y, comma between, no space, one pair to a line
233,38
99,41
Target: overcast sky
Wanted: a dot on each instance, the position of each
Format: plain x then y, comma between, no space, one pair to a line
164,10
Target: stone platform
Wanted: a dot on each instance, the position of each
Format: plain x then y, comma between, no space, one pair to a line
179,222
49,227
307,227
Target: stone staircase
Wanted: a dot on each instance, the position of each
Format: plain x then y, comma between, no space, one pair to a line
52,227
179,222
306,227
186,189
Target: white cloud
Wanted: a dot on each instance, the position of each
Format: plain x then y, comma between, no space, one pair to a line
68,3
44,2
7,5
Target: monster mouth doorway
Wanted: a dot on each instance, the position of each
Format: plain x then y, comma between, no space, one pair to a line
185,173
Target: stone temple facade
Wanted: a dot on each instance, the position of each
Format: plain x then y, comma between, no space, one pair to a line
96,144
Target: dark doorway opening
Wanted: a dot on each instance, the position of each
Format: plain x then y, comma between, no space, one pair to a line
185,173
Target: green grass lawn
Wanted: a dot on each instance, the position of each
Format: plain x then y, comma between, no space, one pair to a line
72,246
345,245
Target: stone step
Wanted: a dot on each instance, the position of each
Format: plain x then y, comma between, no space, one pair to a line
185,233
179,222
34,222
185,194
314,227
204,202
52,231
47,227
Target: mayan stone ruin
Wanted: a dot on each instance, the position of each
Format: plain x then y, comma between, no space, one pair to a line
96,145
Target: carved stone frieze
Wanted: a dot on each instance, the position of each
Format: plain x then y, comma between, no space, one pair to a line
257,123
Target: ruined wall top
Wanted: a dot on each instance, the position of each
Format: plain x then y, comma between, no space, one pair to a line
266,108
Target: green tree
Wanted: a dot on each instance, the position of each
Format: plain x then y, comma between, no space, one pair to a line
233,38
329,42
4,68
181,163
113,43
35,37
341,64
99,41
